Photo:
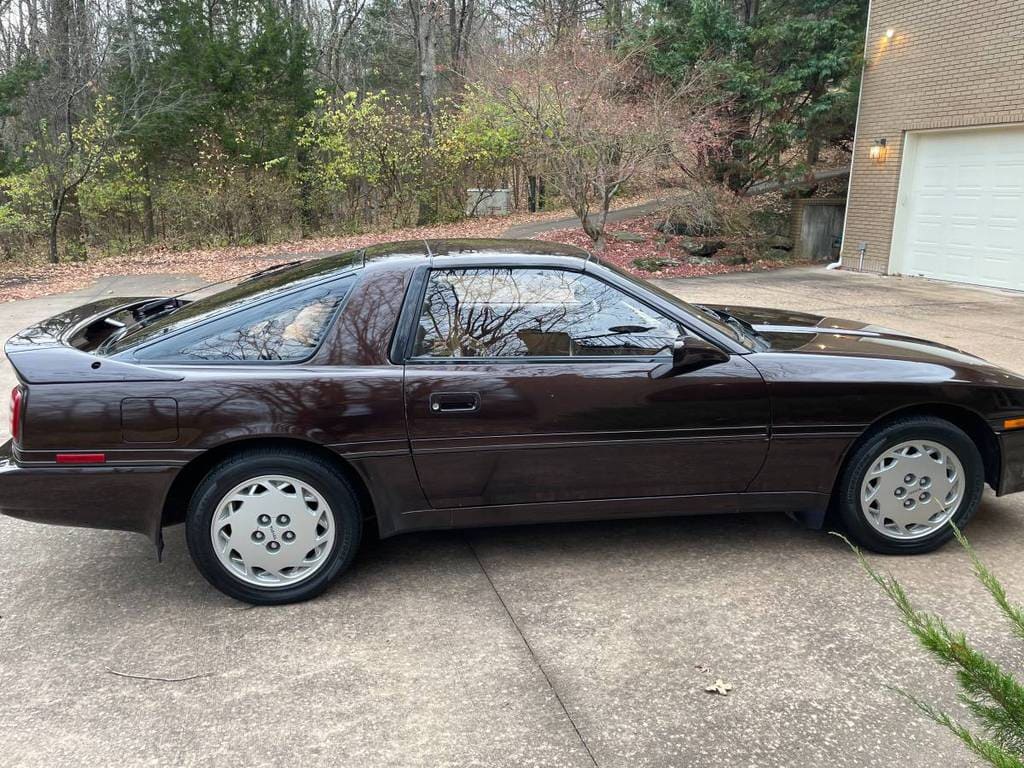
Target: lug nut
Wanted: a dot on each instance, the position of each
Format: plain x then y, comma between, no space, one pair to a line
909,479
289,536
925,482
909,503
900,492
258,536
283,520
263,519
924,497
273,546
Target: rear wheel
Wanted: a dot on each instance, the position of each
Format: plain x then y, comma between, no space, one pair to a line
272,527
907,482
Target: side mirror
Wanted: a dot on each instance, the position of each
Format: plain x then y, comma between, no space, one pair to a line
691,353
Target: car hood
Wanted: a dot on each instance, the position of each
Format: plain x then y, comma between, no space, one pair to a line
788,331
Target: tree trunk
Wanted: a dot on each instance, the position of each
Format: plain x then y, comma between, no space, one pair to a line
535,195
309,217
423,21
148,217
56,208
76,227
54,253
595,230
614,22
461,17
748,10
423,14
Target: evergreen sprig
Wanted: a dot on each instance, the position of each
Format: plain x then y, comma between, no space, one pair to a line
994,697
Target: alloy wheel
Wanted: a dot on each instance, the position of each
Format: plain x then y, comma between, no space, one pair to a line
272,531
912,489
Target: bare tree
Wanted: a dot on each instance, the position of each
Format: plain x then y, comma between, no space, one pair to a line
598,121
330,24
424,17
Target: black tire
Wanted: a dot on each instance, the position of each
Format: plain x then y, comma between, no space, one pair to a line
320,474
847,499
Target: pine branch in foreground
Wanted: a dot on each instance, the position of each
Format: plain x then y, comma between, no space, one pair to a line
993,697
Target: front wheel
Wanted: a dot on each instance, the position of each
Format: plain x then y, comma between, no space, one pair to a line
272,527
906,483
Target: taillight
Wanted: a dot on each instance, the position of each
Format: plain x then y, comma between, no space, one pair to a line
16,401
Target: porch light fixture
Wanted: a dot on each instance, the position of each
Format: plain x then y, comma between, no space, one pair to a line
878,151
889,33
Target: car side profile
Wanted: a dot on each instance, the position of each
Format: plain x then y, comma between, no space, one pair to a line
446,384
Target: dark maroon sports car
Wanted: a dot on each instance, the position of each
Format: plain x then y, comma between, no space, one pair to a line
445,384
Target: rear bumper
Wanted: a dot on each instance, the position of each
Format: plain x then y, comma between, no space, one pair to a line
1011,471
123,498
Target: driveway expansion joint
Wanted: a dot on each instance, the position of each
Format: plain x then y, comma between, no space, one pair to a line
530,650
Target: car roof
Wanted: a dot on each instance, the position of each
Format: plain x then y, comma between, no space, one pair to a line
323,266
462,247
273,282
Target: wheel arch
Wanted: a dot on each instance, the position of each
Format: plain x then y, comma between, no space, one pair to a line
188,478
971,422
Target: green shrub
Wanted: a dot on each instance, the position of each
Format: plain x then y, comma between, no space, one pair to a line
992,695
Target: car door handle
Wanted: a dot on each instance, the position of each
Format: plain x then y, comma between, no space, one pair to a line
454,402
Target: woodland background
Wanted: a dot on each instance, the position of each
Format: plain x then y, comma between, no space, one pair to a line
127,124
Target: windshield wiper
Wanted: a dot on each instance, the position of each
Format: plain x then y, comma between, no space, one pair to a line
741,326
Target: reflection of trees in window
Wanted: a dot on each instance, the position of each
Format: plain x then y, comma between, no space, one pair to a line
289,328
535,312
289,334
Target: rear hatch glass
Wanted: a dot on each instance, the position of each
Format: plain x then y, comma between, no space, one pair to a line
247,293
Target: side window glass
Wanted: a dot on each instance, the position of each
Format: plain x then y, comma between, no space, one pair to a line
517,312
285,329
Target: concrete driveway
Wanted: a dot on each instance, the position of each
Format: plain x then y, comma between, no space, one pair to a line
564,645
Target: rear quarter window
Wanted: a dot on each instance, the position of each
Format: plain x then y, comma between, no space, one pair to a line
285,329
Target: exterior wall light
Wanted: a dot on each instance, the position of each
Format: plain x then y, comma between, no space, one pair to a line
878,150
889,33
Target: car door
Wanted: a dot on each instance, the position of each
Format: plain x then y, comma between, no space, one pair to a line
540,384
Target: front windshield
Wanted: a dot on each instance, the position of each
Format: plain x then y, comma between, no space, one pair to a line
708,316
246,292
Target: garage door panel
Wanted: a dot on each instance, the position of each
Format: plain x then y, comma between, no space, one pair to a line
1005,209
932,208
961,235
962,213
1003,239
1008,178
970,178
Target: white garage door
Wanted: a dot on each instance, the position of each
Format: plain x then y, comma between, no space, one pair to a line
961,209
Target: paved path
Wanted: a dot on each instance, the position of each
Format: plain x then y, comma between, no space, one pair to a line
563,645
535,228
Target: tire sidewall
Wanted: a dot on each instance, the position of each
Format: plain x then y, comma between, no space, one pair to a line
922,428
230,474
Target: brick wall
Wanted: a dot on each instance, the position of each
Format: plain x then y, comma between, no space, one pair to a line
950,63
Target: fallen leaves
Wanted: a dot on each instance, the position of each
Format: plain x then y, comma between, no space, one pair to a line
653,248
31,278
28,280
720,687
